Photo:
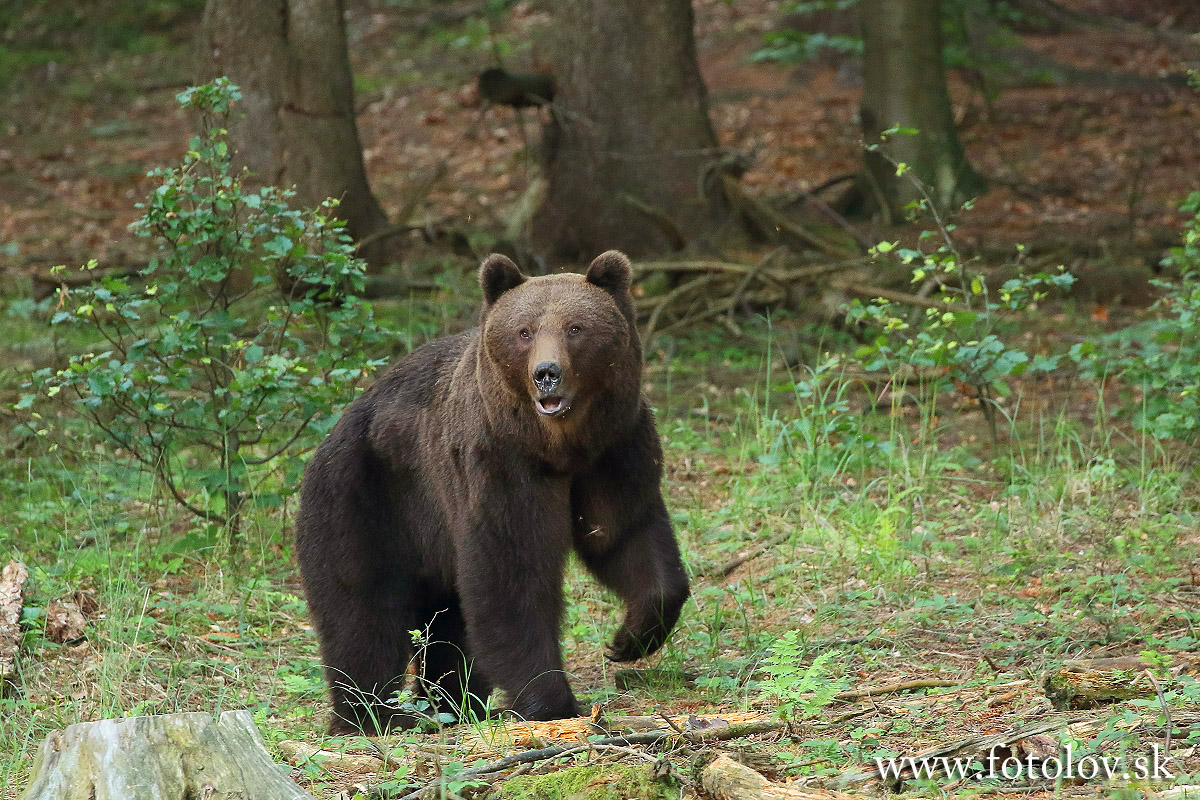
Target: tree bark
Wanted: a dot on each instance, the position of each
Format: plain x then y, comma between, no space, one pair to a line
12,585
172,757
726,779
630,134
296,124
904,85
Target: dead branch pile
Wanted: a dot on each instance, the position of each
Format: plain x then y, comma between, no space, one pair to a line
704,291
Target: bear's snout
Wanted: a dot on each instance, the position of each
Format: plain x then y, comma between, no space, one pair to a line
547,376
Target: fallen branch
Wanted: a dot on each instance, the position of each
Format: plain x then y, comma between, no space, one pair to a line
750,555
714,733
301,753
872,292
12,583
893,688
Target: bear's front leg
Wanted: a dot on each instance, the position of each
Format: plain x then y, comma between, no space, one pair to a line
510,577
623,533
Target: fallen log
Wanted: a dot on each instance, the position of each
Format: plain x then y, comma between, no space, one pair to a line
169,757
1093,682
726,779
12,583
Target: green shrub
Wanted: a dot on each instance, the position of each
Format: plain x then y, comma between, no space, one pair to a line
219,362
1159,358
962,341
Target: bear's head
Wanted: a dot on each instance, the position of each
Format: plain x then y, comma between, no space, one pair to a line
564,347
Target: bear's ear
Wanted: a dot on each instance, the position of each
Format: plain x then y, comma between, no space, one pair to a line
497,275
612,272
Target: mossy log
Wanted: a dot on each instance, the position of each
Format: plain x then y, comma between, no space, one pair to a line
170,757
1094,682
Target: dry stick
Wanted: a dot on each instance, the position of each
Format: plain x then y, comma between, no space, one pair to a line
675,293
723,733
870,291
733,564
753,274
893,688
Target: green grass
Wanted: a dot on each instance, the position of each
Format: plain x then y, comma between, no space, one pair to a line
903,539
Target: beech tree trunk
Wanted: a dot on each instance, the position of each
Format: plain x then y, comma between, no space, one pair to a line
296,124
904,85
630,135
172,757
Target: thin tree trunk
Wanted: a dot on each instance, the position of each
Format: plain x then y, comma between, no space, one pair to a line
296,124
904,85
630,136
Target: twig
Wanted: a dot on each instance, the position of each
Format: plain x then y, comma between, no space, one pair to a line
1166,711
870,291
733,564
622,743
893,688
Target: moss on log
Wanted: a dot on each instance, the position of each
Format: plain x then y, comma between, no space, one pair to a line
592,782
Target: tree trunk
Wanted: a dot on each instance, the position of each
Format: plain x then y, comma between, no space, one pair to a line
296,124
904,85
630,135
172,757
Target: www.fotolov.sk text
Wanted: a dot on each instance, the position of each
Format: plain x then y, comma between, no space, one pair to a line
1069,767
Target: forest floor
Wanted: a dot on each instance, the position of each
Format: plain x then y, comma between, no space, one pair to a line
905,545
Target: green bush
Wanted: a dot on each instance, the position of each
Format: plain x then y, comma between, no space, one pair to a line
1159,358
963,341
219,363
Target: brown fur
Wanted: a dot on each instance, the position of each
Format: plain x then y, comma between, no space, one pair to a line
444,499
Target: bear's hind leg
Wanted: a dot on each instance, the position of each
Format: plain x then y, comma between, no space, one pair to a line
449,678
366,654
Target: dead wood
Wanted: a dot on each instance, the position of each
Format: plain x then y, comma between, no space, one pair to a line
65,622
894,687
712,731
172,757
726,569
775,226
726,779
1092,682
979,744
12,584
301,753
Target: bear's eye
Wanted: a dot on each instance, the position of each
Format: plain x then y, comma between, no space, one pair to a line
574,330
524,333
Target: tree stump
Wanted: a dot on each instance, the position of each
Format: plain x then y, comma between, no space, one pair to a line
171,757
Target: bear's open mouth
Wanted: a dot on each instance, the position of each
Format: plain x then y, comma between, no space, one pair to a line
552,406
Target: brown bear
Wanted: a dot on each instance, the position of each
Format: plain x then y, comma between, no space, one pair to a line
449,495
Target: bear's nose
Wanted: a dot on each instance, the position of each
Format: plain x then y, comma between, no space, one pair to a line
547,375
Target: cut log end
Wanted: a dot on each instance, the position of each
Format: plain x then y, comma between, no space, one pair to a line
172,757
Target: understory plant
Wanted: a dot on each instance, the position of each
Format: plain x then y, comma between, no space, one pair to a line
798,691
962,339
1158,359
216,365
